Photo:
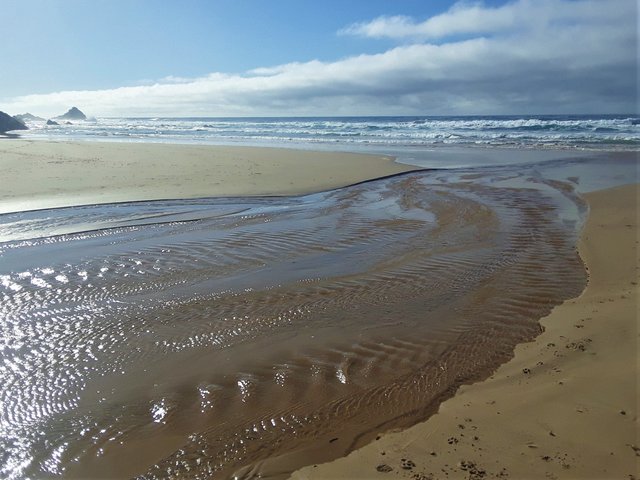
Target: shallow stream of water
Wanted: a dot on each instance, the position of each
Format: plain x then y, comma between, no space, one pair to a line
180,339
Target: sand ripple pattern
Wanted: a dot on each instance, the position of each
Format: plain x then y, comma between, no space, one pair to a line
195,338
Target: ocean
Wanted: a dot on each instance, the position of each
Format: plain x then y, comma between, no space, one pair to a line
599,132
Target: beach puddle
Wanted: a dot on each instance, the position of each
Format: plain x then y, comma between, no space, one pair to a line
248,337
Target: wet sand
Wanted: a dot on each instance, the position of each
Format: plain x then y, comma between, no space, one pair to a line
44,174
565,406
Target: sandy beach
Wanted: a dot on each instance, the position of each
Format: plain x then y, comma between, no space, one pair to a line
44,174
564,407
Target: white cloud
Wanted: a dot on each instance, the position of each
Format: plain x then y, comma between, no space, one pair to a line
532,56
466,18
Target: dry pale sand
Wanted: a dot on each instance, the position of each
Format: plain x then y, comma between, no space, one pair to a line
43,174
564,407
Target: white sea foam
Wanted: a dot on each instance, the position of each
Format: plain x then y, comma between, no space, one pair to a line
593,132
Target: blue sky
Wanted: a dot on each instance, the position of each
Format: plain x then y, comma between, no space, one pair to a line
78,44
286,57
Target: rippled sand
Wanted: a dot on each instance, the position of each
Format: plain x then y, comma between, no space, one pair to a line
180,339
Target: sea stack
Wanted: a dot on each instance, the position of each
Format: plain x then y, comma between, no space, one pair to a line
52,122
8,123
73,114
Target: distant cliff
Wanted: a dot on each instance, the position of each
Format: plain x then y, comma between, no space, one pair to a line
27,117
73,114
8,123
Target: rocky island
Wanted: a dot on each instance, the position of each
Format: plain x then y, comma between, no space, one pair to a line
73,114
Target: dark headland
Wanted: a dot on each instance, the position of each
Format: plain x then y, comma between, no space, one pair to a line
8,123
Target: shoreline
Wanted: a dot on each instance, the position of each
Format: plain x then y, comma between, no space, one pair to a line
42,174
546,412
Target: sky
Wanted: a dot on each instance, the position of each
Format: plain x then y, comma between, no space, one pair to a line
310,58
